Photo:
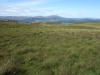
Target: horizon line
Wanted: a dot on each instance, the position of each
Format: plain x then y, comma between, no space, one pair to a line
48,16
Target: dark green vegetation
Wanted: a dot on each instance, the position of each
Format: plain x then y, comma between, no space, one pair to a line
29,49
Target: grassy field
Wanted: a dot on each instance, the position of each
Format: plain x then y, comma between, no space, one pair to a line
29,49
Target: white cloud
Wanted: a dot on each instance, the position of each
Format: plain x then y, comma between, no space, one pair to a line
27,8
23,11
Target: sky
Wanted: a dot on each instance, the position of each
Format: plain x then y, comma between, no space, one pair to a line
64,8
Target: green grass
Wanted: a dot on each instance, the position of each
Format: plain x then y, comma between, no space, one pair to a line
29,49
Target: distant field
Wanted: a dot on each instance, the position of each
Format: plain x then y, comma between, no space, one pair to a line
30,49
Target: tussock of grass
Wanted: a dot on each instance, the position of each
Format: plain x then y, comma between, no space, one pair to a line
29,49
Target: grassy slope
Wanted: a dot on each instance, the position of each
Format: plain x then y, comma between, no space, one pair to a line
49,49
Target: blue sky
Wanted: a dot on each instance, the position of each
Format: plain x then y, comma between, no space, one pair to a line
65,8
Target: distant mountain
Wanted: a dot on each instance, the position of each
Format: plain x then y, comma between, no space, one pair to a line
55,17
47,18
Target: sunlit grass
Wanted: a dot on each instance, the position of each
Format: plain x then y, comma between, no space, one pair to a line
30,49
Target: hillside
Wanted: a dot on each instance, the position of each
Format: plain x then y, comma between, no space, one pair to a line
30,49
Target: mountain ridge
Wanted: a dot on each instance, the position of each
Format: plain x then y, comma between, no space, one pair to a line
47,18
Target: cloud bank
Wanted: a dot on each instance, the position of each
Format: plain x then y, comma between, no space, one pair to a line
65,8
27,8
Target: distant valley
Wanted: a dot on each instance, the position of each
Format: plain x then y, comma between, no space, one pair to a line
47,19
